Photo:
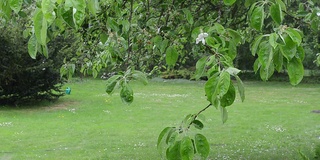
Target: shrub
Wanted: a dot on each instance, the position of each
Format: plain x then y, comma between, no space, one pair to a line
25,79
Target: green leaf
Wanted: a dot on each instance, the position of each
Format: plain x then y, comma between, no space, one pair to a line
200,67
282,5
226,61
188,15
294,35
163,133
249,2
210,42
126,94
103,38
68,4
300,53
68,18
295,71
233,71
171,56
94,73
266,72
289,49
236,37
157,40
240,88
15,5
232,49
202,146
224,114
186,149
137,75
229,97
210,87
223,83
256,44
229,2
257,18
32,46
111,83
39,29
79,10
47,7
164,45
73,68
256,66
265,54
173,152
278,60
6,10
195,32
253,4
117,10
44,32
45,50
59,22
93,6
126,26
187,119
219,28
198,124
113,24
276,13
171,137
162,140
273,40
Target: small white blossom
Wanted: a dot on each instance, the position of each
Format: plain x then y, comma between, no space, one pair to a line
201,37
158,30
74,10
318,14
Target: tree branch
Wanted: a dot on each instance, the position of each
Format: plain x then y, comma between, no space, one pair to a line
195,117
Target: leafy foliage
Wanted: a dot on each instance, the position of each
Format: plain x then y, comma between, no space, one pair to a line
142,35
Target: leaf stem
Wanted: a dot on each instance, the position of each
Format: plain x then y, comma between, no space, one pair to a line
195,116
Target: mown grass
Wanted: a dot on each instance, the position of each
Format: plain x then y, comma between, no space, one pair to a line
274,122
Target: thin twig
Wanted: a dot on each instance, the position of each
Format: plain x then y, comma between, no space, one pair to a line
194,118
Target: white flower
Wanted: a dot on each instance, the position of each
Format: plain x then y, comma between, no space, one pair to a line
201,37
74,10
318,14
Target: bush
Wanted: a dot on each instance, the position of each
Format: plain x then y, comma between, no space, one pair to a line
23,79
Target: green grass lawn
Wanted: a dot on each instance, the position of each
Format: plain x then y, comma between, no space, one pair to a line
274,122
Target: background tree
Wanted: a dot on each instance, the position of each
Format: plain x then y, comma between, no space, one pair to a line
23,79
144,34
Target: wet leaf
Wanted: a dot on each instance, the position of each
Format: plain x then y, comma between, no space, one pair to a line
202,145
126,94
171,56
295,71
200,67
276,13
173,152
111,83
32,46
186,149
229,97
198,124
257,18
